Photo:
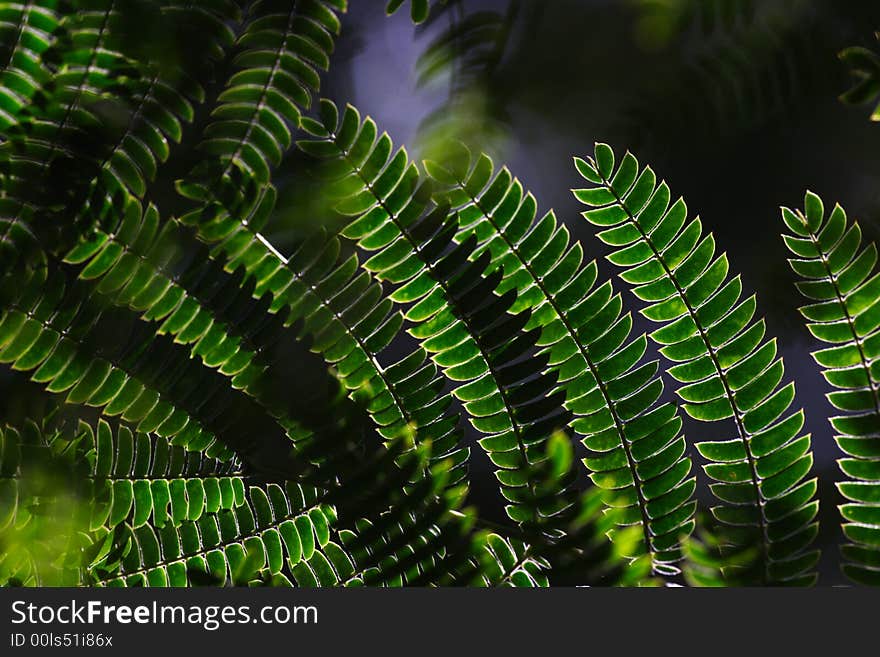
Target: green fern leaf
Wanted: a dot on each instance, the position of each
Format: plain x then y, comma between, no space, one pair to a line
140,265
27,32
46,154
138,478
53,338
635,446
725,368
349,334
384,193
455,312
350,322
506,562
288,536
159,100
283,47
841,283
272,529
126,477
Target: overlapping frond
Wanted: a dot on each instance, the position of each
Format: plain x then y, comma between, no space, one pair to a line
159,98
725,367
267,530
100,121
506,562
125,476
139,478
351,323
136,492
347,318
291,535
160,271
27,31
583,553
140,265
205,461
586,548
637,452
283,48
54,142
82,481
843,288
148,513
57,329
453,307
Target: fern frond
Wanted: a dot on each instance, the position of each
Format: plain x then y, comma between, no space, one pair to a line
139,478
350,322
157,99
346,316
125,476
596,549
354,325
27,32
46,155
454,309
132,265
843,287
101,122
55,330
159,271
427,543
134,494
725,367
589,548
284,46
271,529
506,562
140,265
160,100
64,489
637,452
289,536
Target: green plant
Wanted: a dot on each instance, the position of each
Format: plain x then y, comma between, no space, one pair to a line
725,367
841,284
213,409
864,65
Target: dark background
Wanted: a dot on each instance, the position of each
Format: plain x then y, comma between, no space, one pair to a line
734,104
